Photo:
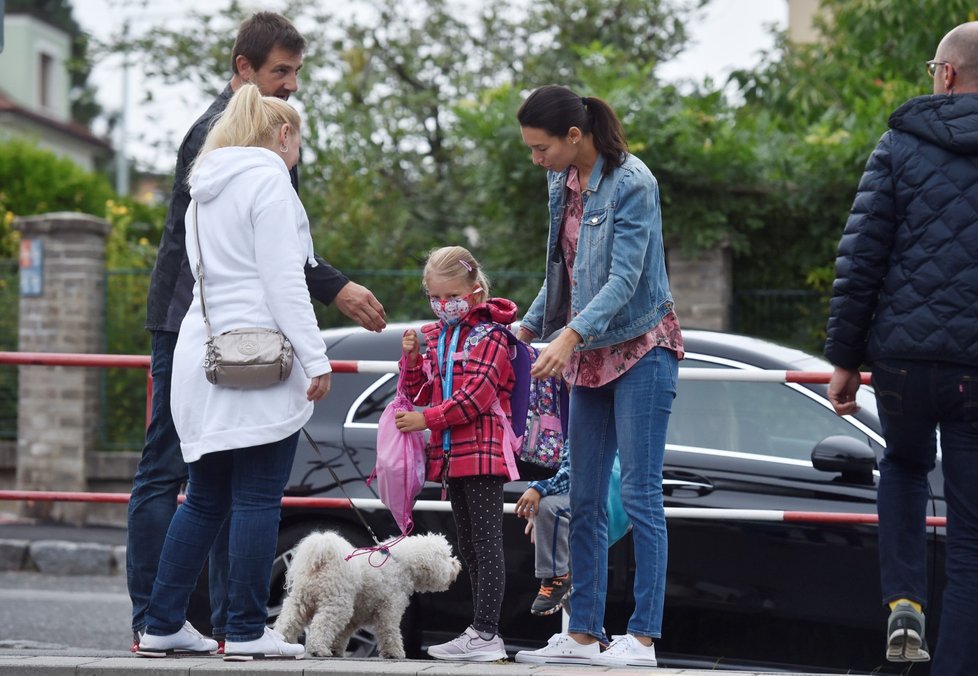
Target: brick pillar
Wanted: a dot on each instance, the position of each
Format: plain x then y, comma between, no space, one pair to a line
62,309
702,286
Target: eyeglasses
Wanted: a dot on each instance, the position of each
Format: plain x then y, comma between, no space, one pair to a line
932,67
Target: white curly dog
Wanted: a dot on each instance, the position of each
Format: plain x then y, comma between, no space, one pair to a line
334,597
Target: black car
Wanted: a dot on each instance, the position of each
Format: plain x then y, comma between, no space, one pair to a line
740,593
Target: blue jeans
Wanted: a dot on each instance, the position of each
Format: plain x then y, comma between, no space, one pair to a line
158,480
248,485
914,399
629,414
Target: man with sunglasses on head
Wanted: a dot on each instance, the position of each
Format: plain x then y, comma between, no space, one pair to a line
268,53
905,302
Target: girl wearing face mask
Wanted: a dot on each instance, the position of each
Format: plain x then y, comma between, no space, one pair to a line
470,370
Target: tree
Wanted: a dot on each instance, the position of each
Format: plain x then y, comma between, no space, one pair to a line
395,159
814,113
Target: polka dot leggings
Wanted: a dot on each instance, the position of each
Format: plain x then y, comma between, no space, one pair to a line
477,503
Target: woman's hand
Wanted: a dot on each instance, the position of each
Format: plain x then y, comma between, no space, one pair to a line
319,387
525,336
410,346
410,421
554,357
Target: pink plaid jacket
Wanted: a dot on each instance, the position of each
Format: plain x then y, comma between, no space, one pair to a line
476,435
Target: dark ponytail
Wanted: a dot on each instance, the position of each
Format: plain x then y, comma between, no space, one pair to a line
556,109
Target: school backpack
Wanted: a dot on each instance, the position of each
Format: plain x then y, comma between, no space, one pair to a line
545,420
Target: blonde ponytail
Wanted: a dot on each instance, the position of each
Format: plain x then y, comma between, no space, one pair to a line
250,120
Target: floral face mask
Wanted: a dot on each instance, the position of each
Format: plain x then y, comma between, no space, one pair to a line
452,310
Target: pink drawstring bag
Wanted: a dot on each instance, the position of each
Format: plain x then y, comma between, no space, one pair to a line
400,464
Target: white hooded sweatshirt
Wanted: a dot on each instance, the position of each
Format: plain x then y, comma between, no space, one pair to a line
254,242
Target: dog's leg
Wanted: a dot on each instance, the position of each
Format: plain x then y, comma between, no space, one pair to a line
293,618
343,638
324,630
387,624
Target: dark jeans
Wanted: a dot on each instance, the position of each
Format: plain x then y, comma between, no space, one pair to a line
246,485
916,398
158,480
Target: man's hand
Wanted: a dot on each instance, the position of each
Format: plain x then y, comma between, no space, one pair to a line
359,304
842,390
410,421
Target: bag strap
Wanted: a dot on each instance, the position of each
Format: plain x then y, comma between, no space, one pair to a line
200,274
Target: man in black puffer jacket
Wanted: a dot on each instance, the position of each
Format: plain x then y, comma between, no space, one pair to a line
906,302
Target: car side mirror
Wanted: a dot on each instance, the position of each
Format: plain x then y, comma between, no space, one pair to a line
852,458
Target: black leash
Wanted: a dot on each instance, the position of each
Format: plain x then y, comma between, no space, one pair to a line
339,483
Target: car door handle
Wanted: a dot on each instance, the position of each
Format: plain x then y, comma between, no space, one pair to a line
673,481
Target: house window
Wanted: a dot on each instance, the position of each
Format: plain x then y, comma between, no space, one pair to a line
47,80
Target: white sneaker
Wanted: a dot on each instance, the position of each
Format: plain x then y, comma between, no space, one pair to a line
187,641
470,647
561,649
271,646
626,651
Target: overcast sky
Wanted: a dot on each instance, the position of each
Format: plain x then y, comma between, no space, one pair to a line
729,37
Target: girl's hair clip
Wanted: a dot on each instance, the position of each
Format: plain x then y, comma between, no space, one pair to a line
465,265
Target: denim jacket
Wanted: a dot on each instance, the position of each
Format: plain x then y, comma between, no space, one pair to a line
620,289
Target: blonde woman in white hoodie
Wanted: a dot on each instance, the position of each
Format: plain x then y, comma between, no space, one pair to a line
239,444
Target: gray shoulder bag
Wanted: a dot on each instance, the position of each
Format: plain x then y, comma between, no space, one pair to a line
246,359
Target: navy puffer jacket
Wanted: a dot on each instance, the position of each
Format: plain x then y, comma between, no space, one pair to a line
906,282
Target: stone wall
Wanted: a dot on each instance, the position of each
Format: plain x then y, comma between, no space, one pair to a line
702,286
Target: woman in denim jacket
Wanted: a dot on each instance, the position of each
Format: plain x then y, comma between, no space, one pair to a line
606,307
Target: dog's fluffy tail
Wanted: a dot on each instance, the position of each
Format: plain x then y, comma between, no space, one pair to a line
315,552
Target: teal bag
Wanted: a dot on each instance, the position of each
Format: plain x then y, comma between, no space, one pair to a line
618,521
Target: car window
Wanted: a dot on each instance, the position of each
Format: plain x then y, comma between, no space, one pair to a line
762,418
369,407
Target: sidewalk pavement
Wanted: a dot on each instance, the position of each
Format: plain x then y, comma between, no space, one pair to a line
37,663
60,549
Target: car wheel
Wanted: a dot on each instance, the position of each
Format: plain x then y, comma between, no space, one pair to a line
363,643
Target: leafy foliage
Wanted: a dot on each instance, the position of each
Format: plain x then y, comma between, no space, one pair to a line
817,110
396,157
411,139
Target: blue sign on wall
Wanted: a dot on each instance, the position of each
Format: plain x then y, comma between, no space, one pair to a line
31,267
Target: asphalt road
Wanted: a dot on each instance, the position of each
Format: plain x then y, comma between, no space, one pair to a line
48,611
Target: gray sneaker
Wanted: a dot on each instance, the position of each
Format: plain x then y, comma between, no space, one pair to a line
470,647
905,640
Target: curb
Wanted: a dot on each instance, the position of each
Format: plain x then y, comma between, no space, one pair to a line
62,557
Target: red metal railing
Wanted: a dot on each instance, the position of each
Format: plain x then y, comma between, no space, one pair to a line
696,513
341,366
